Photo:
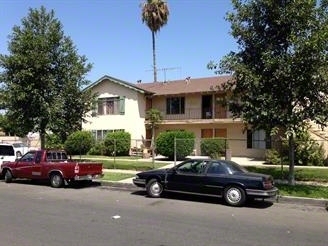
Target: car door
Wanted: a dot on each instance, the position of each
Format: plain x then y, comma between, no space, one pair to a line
215,179
25,165
187,177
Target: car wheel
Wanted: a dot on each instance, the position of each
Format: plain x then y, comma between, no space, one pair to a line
154,188
56,180
234,196
8,177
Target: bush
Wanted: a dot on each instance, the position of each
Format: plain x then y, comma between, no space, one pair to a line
79,143
307,152
117,143
184,144
53,142
272,156
98,149
213,147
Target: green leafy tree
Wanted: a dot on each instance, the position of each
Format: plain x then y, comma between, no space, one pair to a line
279,77
155,14
153,119
43,78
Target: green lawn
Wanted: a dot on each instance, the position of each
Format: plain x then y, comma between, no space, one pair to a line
111,176
300,190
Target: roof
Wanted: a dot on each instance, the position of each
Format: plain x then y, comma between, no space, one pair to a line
117,81
188,85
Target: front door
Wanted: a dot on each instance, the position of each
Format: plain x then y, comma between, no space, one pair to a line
187,177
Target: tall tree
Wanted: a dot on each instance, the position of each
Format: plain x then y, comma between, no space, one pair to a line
43,77
279,78
155,14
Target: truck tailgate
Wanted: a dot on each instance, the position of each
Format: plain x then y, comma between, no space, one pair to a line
89,168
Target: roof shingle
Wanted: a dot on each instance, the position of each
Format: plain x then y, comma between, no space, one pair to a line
188,85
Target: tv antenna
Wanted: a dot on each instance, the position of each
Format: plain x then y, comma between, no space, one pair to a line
164,70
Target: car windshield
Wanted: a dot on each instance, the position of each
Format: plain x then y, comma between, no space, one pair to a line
233,167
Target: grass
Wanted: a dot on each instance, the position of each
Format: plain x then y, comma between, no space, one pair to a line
301,174
300,190
124,163
111,176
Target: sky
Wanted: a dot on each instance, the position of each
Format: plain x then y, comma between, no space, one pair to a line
111,35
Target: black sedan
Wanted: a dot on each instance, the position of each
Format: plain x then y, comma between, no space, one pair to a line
208,177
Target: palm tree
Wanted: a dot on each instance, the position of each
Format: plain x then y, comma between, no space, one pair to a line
155,14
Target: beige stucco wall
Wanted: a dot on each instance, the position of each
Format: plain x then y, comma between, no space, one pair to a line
237,138
133,121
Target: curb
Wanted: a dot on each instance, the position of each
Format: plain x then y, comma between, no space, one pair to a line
280,199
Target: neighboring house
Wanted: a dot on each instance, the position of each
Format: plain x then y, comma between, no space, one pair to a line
190,104
120,107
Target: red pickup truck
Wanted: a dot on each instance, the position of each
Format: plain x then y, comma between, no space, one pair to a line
53,165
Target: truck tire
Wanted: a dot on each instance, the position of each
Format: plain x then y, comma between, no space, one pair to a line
8,176
56,180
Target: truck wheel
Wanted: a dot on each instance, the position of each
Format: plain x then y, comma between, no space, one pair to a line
56,180
154,188
8,177
234,196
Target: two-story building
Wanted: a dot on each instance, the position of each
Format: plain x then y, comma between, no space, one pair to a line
191,104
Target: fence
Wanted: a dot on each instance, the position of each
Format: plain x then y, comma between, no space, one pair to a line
309,152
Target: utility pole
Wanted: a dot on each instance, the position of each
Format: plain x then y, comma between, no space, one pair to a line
165,70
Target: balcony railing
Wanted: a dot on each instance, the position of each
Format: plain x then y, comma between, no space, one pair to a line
196,114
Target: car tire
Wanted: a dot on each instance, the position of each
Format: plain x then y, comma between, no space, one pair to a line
56,180
154,188
234,196
8,176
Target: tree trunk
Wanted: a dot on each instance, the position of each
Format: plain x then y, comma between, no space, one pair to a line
291,175
152,144
154,57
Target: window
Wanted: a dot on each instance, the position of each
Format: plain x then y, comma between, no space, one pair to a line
101,134
175,105
216,168
192,167
258,139
111,106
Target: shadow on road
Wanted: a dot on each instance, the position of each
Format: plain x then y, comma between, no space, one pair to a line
255,203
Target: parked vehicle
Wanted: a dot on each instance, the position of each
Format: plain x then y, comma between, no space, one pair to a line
7,153
52,165
20,148
209,177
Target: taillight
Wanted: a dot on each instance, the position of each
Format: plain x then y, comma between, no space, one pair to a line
267,184
76,169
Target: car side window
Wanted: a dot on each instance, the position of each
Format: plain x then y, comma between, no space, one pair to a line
29,157
216,168
192,167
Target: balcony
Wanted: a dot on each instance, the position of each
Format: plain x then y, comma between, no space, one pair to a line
198,115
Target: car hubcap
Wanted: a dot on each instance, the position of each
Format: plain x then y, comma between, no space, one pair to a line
56,180
155,188
234,195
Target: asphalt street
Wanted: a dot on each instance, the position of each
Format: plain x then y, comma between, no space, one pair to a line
36,214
